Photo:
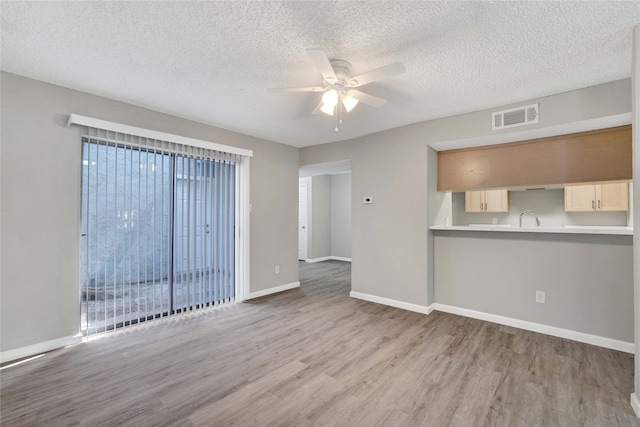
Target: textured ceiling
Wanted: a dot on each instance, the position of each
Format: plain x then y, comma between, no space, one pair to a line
213,61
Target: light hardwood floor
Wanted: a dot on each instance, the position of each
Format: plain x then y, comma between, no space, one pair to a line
315,357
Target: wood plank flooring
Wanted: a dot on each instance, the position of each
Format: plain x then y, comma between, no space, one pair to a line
315,357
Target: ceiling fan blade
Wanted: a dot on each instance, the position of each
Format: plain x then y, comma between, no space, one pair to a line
377,74
323,65
296,89
365,98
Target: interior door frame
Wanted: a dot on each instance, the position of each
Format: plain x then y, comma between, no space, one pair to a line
306,183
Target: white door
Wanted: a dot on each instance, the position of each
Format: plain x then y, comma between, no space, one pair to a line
302,222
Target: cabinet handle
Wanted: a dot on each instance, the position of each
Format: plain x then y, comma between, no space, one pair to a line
485,206
598,204
481,206
593,205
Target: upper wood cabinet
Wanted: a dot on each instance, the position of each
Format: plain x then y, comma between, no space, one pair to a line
596,156
603,197
580,198
486,201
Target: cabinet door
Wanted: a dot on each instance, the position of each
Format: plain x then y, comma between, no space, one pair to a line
474,201
613,197
580,198
496,201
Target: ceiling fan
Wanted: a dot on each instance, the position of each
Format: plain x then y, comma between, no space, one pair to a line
339,85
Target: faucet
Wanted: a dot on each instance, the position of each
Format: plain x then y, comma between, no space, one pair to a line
530,213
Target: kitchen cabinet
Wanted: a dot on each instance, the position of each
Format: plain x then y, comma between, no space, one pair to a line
602,155
486,201
602,197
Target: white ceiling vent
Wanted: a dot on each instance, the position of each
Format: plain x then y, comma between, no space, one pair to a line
515,117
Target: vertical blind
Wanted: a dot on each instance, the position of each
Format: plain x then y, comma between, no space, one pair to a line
160,229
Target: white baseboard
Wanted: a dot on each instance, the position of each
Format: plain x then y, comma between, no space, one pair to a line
324,258
328,258
390,302
605,342
340,258
635,404
277,289
39,348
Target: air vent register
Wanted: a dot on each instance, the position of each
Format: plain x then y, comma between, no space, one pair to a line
515,117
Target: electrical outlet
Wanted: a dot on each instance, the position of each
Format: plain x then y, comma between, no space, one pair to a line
494,221
540,297
277,269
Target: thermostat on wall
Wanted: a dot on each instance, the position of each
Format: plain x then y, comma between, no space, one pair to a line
367,200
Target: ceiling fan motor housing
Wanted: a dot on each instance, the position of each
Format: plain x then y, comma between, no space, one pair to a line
342,70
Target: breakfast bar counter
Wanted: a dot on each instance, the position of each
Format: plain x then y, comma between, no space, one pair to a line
567,229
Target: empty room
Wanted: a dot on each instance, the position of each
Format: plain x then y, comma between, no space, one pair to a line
312,213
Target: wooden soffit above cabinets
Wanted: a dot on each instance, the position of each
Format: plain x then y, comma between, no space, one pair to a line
599,155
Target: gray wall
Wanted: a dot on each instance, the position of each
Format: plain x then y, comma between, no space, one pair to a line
40,193
439,207
390,238
587,279
341,215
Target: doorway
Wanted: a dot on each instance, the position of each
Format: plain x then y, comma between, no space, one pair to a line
324,221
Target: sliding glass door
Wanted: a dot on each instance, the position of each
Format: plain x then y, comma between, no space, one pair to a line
204,256
158,231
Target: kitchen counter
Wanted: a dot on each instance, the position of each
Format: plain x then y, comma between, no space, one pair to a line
567,229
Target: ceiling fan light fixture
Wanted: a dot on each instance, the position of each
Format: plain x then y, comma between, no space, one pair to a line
330,100
327,109
330,97
349,102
